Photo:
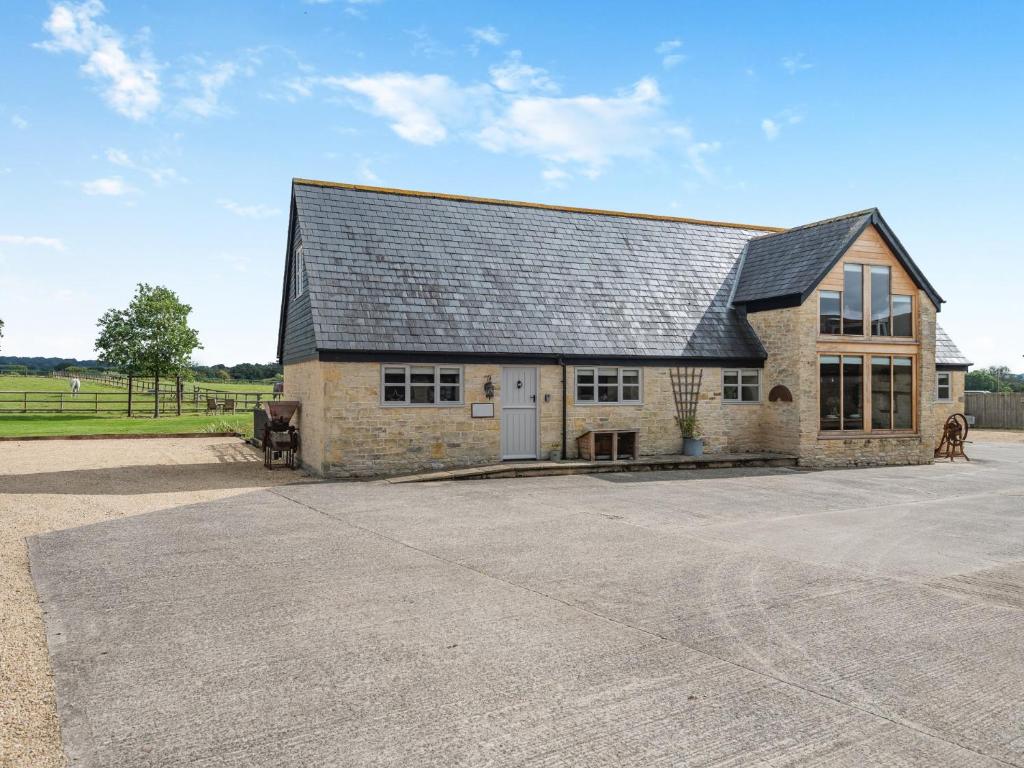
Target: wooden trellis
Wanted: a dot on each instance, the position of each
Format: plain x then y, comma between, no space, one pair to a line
686,391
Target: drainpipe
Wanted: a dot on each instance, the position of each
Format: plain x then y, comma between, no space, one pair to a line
565,447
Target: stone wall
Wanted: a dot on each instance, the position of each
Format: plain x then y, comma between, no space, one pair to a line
790,336
347,432
943,410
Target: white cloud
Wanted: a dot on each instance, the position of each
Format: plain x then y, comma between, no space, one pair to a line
417,105
556,177
669,52
696,153
33,240
19,122
516,77
258,211
772,127
112,186
210,83
585,130
794,64
366,173
159,176
485,36
133,87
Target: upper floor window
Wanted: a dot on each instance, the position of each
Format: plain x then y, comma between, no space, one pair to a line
298,273
741,385
421,385
607,385
843,312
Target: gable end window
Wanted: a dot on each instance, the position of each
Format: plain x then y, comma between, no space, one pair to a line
596,386
944,386
741,385
421,385
298,273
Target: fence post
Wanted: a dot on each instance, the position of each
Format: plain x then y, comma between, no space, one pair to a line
96,401
177,392
129,395
24,403
62,402
156,396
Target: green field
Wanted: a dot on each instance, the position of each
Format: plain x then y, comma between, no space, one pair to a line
32,425
47,384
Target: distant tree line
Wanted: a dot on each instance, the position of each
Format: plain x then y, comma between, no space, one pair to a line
219,372
995,378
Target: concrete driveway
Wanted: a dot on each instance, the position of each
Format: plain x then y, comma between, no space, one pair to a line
720,618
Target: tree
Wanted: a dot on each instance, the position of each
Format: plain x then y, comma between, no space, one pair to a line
151,337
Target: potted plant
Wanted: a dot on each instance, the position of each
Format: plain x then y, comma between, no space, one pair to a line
693,443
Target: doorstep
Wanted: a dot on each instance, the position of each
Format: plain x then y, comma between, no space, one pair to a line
581,467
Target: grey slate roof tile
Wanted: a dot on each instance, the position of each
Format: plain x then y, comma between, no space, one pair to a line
946,352
398,273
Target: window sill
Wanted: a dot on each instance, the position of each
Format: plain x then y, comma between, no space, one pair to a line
588,404
867,435
742,402
421,405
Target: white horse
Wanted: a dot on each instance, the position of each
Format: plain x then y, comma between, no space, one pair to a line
75,386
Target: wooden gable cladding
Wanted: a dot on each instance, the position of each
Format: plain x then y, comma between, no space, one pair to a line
870,249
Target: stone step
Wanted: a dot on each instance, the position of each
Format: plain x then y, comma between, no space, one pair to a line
579,467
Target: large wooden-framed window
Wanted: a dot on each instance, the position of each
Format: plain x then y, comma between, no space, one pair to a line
841,393
892,393
608,386
847,394
867,294
421,385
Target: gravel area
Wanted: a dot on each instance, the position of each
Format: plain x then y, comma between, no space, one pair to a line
52,485
983,436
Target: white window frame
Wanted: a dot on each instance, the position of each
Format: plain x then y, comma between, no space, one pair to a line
298,273
407,368
939,375
619,385
740,373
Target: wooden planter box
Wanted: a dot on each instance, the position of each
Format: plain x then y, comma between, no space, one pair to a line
609,444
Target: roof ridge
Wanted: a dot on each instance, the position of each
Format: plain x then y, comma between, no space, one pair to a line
524,204
854,214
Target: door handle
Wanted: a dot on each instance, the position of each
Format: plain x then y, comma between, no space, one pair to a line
534,398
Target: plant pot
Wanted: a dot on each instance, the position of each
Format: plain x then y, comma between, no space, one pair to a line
693,446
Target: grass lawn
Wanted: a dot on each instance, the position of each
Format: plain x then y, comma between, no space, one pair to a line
32,425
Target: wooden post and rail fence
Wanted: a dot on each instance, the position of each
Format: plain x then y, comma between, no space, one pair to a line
995,410
140,396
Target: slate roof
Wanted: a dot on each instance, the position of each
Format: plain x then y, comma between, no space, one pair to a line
786,263
405,272
789,265
946,352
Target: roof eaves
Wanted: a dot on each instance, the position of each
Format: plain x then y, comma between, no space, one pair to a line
902,254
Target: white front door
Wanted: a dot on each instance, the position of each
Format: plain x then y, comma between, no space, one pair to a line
519,413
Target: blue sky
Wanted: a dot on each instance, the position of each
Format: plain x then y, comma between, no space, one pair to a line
155,141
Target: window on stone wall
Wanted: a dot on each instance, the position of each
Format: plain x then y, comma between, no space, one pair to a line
892,393
608,385
741,385
421,385
944,386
